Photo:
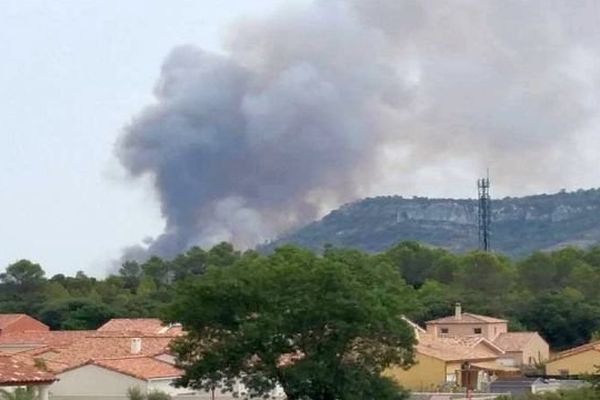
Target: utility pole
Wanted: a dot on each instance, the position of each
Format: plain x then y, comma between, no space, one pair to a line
484,212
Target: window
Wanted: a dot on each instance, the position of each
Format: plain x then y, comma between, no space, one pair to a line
564,372
444,330
477,331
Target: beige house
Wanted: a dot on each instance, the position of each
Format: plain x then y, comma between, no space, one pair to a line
523,348
576,361
467,324
440,361
520,348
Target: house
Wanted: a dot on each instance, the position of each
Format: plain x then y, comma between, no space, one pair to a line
467,324
440,361
521,348
576,361
15,373
105,363
20,323
113,377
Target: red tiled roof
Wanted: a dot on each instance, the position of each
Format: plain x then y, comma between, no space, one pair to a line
144,325
92,348
15,372
61,350
139,367
466,318
7,319
25,323
43,338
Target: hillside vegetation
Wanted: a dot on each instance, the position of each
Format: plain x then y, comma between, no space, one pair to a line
554,293
519,225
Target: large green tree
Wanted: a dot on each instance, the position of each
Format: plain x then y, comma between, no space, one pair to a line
322,328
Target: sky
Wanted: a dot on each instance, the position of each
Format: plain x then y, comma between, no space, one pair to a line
73,73
172,123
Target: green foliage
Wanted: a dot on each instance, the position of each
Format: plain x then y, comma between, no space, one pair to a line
74,314
553,293
135,393
321,327
24,274
20,393
158,395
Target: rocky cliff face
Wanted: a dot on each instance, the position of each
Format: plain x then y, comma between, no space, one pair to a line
519,225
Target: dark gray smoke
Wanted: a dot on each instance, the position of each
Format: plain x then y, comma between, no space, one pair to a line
316,106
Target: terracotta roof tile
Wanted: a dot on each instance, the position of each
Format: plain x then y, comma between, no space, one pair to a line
514,341
451,349
140,367
92,348
7,319
43,338
16,372
144,325
466,318
61,350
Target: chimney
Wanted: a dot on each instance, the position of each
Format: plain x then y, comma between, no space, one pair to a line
136,345
457,311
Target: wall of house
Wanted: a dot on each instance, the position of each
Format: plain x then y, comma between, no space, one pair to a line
580,363
454,329
427,375
91,382
493,330
537,350
489,331
451,371
511,359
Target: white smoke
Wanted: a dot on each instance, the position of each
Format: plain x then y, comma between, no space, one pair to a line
313,107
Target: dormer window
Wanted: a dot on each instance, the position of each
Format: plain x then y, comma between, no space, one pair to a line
477,331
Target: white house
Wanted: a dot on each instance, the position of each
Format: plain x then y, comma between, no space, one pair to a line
111,378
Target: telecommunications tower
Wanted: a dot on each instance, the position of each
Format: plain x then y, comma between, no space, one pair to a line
484,212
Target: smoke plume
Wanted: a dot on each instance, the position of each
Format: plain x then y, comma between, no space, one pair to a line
319,105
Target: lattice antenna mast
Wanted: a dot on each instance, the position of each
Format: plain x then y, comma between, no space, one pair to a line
485,212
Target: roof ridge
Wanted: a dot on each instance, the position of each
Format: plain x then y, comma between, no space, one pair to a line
132,373
132,356
575,350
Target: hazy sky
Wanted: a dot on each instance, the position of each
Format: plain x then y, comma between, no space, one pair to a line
72,73
334,101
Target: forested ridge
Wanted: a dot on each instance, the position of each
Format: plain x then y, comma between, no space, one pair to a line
520,225
554,293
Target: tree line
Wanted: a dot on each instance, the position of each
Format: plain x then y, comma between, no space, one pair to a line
554,293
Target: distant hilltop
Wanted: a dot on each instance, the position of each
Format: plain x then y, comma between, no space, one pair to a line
520,225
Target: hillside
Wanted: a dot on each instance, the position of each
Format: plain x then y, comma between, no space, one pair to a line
519,225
